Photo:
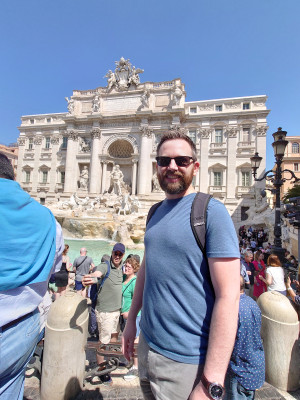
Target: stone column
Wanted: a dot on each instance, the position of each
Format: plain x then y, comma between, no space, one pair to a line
145,170
204,151
71,165
231,182
133,177
95,168
53,178
36,179
21,143
104,169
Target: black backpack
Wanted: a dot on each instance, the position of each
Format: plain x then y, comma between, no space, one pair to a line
198,217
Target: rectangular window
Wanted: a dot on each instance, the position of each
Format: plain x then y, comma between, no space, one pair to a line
30,144
246,178
193,110
192,135
42,200
246,106
218,135
45,176
246,135
219,107
27,176
62,177
217,178
48,120
32,121
296,167
65,142
47,145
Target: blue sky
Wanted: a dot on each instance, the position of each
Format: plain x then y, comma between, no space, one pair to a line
219,48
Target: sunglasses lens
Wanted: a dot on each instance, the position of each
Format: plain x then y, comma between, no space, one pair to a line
163,161
182,161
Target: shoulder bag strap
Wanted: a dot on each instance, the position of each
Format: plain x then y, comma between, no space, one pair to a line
198,218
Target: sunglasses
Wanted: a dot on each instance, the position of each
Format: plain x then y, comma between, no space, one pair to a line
118,253
181,161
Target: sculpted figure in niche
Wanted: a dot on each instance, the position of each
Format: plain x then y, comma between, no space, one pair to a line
96,104
177,95
117,180
145,98
70,104
84,178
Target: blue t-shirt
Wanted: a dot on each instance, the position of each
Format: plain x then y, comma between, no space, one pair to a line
178,293
247,362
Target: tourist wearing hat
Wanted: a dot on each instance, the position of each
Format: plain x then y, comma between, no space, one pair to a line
109,300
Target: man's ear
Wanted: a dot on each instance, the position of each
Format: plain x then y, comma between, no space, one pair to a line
196,167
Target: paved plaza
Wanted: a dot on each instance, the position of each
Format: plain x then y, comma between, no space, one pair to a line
122,390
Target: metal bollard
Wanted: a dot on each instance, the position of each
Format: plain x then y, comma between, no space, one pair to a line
64,357
280,331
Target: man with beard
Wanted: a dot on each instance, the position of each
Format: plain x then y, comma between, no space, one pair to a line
190,301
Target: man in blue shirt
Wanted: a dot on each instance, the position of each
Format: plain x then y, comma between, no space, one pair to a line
190,302
246,371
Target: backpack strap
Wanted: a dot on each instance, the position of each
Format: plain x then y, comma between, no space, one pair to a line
198,218
152,211
105,276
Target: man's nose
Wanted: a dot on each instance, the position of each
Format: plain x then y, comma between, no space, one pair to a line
173,165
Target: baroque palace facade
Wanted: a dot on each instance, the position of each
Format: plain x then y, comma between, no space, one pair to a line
121,124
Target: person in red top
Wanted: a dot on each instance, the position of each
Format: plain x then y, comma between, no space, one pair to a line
260,270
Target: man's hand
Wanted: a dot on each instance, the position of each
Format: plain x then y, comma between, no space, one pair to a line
199,393
89,279
128,338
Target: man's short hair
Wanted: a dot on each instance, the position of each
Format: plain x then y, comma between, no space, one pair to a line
6,168
179,134
248,253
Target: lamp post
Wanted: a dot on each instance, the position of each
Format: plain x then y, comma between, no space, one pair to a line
277,180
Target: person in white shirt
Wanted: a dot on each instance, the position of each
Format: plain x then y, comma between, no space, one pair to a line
274,275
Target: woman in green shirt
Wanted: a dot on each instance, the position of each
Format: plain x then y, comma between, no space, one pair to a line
131,268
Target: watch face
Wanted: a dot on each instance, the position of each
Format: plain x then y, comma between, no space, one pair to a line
216,391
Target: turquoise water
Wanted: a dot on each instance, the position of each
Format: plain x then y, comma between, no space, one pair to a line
96,249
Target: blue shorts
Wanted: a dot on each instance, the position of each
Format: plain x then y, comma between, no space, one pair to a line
78,285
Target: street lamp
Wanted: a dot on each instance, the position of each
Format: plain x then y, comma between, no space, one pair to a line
277,180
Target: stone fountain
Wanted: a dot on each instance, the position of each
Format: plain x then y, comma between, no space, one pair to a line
111,216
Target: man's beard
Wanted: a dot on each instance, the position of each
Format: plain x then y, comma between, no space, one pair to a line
178,187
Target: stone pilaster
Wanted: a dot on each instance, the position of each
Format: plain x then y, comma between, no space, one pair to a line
231,181
133,177
53,178
144,180
21,143
205,134
104,170
36,179
261,131
95,168
71,165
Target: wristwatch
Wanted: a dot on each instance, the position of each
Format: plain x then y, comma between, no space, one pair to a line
215,390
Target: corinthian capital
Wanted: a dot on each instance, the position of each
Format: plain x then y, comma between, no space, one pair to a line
146,131
205,133
37,141
72,135
21,141
262,130
232,132
96,133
